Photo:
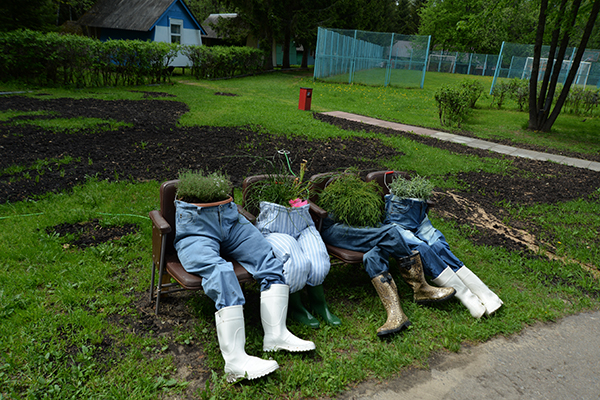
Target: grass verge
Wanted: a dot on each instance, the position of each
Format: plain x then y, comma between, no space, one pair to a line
67,316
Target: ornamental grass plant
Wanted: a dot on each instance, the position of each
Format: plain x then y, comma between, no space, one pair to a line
416,188
353,201
278,189
200,187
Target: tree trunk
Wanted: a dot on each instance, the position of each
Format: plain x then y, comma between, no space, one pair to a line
574,68
541,117
285,47
534,109
305,53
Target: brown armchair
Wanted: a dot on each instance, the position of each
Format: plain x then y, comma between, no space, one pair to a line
164,256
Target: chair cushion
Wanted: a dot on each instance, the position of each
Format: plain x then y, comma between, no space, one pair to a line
194,282
185,279
347,256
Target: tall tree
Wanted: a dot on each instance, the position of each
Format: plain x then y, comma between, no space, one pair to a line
37,15
561,17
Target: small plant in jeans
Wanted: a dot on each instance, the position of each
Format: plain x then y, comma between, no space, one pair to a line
415,188
353,201
198,187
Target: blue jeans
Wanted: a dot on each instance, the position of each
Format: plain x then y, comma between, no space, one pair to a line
204,234
409,216
378,244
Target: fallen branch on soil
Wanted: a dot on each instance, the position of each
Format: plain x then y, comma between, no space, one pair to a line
481,219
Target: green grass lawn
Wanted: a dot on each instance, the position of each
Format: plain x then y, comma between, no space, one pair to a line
65,313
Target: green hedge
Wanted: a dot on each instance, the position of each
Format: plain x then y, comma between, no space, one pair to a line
53,59
223,62
68,60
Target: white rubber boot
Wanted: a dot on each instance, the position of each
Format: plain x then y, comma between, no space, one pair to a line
489,299
232,342
467,298
273,311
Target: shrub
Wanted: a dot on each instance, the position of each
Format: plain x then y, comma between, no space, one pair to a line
71,60
500,93
581,101
473,90
519,92
221,61
453,105
515,89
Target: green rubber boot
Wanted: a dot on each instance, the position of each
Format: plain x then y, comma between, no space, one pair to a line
318,305
298,313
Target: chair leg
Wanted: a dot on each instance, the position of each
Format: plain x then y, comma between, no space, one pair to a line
152,281
159,289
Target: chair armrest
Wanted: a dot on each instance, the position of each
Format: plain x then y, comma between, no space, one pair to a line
317,211
317,214
159,222
250,217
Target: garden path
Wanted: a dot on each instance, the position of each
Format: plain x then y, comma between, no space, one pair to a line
546,361
471,141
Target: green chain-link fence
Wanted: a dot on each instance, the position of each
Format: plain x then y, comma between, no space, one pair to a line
371,58
516,60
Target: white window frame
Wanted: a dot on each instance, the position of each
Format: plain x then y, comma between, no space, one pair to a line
176,37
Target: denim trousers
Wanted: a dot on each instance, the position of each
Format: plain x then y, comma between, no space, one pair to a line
204,235
409,216
378,244
296,242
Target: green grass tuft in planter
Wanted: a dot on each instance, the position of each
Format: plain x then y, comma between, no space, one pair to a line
353,201
198,187
415,188
278,189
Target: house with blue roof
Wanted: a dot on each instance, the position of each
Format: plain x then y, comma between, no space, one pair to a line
169,21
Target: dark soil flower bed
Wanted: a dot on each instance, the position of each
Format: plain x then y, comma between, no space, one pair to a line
153,147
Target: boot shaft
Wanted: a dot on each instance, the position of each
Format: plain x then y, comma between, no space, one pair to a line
411,270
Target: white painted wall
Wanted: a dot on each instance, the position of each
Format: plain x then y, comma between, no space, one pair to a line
188,36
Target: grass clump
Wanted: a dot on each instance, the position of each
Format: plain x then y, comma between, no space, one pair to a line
415,188
353,201
278,189
198,187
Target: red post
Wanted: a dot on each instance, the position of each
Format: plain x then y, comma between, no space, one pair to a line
305,98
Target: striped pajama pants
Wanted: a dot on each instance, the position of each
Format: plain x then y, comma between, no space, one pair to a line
295,242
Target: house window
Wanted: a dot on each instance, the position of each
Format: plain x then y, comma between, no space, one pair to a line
176,31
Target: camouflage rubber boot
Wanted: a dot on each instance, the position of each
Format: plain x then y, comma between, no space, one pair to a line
411,270
388,293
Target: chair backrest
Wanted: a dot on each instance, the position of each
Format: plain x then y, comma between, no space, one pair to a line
168,191
384,178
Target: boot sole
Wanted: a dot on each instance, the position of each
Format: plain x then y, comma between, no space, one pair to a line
231,377
428,301
292,349
396,330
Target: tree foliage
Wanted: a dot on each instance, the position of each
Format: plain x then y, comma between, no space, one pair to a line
478,26
297,20
37,15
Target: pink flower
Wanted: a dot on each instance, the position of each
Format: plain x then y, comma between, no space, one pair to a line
298,202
